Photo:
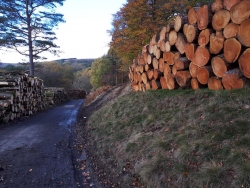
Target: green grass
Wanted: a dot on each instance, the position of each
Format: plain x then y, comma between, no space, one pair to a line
180,138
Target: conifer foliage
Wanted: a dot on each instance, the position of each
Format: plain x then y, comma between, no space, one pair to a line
27,27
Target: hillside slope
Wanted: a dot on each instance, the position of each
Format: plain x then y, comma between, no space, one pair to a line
181,138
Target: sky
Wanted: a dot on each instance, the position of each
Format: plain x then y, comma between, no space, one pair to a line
84,35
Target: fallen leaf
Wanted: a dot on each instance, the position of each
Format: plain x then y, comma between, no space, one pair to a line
167,129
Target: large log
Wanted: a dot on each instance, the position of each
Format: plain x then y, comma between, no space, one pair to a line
157,74
191,32
201,56
167,46
232,79
220,65
194,84
162,45
167,69
155,63
204,37
204,73
244,63
179,22
203,17
232,49
144,78
161,64
220,19
150,74
230,30
180,43
181,63
217,5
183,78
156,84
216,43
192,16
228,4
193,69
214,83
172,37
171,82
190,49
240,11
169,57
243,33
163,82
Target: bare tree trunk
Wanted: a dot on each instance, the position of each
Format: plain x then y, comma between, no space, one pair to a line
30,40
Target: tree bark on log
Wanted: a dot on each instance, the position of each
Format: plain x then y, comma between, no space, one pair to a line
244,63
214,83
192,16
201,56
230,30
243,33
232,49
216,43
220,19
240,11
204,73
232,79
193,69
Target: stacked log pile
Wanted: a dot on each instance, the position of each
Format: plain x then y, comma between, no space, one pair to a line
55,95
77,94
208,47
20,95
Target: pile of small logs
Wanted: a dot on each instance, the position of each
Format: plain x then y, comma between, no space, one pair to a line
21,95
208,47
55,95
77,94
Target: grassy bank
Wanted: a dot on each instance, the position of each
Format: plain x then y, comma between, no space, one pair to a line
180,138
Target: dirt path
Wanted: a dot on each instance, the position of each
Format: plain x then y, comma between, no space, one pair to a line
43,151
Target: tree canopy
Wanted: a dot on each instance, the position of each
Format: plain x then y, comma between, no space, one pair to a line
27,27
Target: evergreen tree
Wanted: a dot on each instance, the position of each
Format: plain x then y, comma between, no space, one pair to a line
27,27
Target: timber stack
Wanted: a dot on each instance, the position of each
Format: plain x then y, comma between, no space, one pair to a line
22,95
77,94
208,47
